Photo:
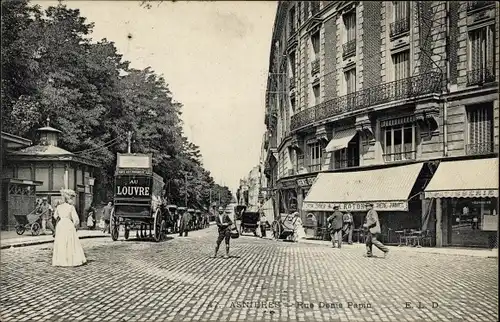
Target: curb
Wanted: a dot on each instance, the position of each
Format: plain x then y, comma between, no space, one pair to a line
41,242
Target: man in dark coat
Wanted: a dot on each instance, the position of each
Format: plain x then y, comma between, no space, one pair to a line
185,220
373,226
335,223
224,224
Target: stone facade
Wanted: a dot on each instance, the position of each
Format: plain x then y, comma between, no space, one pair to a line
413,67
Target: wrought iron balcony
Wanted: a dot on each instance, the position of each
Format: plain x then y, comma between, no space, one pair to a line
349,48
479,148
400,27
346,163
473,5
480,76
384,93
314,167
315,66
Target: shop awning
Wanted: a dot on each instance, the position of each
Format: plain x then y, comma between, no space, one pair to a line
388,189
340,140
464,179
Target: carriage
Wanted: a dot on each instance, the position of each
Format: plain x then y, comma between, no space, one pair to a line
137,198
283,226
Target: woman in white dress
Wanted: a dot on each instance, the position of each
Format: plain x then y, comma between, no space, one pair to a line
68,250
299,232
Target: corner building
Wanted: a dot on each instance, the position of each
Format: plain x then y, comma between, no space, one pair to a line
394,103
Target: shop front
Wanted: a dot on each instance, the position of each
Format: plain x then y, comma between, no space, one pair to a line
466,196
392,190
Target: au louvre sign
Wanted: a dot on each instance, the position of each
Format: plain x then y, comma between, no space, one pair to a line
401,205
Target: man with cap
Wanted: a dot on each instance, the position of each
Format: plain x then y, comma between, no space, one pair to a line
185,217
224,224
373,226
46,211
335,224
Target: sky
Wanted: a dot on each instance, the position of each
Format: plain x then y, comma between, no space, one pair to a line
214,57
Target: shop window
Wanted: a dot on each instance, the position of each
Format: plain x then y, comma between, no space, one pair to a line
481,56
480,129
400,142
315,156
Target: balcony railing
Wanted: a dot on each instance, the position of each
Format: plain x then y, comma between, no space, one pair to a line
400,27
315,66
480,76
384,93
479,148
349,48
346,163
399,156
314,167
473,5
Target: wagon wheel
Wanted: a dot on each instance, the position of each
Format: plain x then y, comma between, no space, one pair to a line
114,229
276,228
20,229
127,232
35,229
157,226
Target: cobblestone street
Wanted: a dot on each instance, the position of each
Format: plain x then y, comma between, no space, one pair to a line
264,280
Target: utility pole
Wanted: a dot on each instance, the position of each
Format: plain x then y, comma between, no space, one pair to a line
186,186
129,142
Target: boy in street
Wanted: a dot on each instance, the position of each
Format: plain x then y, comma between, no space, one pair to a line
373,226
223,224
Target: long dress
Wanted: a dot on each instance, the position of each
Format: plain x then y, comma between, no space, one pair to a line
68,250
299,232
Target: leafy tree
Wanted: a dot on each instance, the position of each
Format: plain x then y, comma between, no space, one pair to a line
52,68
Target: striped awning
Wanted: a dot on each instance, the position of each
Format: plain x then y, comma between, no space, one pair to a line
388,189
340,140
465,179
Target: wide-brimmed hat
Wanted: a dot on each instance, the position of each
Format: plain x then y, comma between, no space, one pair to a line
335,207
221,209
369,204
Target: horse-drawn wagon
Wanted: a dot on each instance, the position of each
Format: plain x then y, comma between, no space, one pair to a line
137,198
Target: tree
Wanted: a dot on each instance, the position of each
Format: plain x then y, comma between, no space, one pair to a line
52,68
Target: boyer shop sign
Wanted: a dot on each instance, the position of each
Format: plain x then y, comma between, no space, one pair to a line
133,187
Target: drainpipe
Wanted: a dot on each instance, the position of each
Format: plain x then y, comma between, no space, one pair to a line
447,79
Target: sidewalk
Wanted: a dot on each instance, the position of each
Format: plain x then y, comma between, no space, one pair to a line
12,239
493,253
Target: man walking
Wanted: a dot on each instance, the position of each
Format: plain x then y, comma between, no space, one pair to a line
373,226
46,211
335,223
106,216
348,226
185,219
224,224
